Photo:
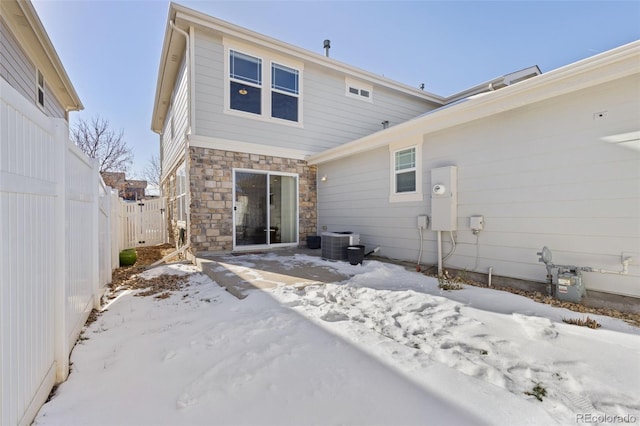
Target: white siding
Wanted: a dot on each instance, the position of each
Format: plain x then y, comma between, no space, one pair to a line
330,118
176,124
543,174
20,73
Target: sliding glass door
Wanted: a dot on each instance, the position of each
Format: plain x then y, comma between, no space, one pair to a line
265,211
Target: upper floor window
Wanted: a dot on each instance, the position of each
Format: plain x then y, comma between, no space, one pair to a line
40,89
284,92
245,73
267,93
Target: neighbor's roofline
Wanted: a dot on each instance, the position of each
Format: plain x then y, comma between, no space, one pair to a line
611,65
34,38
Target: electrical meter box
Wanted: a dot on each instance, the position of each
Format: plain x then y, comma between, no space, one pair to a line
570,287
444,198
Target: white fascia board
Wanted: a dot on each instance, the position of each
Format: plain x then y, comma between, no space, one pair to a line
608,66
200,19
246,147
164,74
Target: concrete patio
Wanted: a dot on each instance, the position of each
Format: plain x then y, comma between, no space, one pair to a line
239,273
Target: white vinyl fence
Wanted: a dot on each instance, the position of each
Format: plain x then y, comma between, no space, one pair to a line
60,233
142,223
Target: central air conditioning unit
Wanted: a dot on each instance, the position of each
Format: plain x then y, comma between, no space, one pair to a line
334,244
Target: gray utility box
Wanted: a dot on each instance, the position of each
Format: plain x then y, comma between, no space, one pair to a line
570,287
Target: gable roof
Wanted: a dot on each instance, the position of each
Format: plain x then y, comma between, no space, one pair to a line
25,25
174,45
608,66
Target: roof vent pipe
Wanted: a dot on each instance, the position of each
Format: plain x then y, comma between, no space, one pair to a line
327,46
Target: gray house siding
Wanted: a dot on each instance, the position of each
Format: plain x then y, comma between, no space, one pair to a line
175,125
544,174
20,72
329,117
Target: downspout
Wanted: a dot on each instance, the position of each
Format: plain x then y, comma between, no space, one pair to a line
187,71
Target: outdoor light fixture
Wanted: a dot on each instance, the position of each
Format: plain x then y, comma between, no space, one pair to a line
243,91
324,178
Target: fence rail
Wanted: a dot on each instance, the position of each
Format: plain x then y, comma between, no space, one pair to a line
62,230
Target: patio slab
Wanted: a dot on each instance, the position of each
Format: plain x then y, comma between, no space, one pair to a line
241,273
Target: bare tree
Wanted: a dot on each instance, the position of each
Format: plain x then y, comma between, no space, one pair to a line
99,141
153,171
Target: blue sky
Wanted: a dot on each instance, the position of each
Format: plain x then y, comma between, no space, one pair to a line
111,49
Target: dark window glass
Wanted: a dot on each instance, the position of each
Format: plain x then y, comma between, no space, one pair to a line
364,93
245,98
353,90
284,106
406,182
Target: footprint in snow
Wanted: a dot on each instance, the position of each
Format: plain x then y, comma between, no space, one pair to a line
334,316
537,328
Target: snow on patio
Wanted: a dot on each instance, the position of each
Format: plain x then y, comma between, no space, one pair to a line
384,347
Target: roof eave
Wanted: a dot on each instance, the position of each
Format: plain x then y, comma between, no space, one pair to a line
608,66
34,38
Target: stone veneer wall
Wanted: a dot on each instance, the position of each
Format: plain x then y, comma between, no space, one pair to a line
211,185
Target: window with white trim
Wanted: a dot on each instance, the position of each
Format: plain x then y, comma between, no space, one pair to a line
181,193
245,82
405,172
267,93
40,88
284,92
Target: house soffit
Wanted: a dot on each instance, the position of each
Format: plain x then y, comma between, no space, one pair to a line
24,24
172,55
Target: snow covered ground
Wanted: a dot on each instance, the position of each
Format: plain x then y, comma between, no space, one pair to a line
384,347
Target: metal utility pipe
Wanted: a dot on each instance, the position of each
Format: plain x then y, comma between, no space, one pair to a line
439,253
490,275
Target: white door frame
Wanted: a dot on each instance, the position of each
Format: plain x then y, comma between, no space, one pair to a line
269,244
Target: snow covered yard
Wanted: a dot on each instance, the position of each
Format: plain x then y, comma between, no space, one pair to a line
384,347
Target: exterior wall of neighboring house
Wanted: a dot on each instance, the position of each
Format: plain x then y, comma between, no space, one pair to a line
561,172
21,73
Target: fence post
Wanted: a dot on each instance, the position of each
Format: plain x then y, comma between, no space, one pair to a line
95,231
61,226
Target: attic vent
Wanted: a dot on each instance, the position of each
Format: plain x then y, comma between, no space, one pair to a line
356,89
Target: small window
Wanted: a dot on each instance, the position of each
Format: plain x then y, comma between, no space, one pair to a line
181,193
245,73
284,95
40,89
405,171
359,90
